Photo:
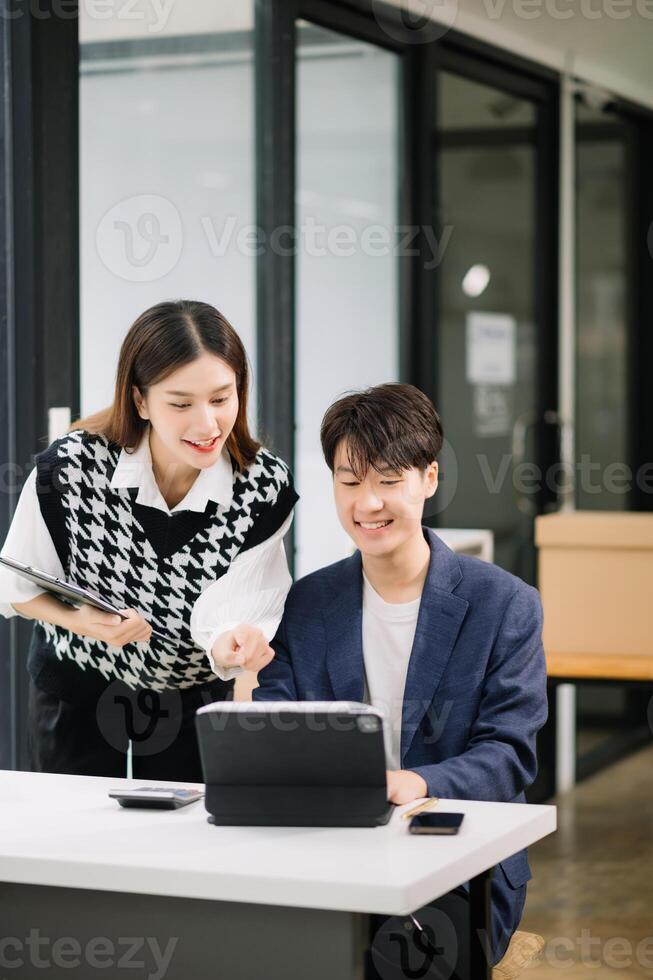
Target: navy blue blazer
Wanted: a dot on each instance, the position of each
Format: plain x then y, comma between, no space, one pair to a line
475,694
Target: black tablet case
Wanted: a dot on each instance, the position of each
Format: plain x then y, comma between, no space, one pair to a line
294,768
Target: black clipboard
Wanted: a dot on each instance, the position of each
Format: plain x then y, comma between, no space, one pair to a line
75,594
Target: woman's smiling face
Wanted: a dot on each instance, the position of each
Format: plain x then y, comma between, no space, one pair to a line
191,412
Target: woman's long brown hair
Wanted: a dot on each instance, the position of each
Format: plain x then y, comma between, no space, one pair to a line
162,339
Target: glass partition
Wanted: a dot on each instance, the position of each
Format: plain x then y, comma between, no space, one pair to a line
485,162
346,332
166,177
602,348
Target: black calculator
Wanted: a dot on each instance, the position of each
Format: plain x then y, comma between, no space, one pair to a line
156,797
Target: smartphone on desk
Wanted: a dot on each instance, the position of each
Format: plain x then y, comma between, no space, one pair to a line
156,797
436,823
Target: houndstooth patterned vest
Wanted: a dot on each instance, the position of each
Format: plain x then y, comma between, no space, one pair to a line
140,557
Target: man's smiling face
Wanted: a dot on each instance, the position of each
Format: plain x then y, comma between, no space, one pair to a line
382,508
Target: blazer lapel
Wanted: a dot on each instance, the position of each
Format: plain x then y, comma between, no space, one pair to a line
343,623
441,615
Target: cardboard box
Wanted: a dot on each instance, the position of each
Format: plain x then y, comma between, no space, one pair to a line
596,582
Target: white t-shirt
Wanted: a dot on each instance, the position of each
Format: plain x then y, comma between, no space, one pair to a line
388,634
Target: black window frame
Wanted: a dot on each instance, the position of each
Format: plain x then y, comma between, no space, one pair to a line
639,315
634,123
39,290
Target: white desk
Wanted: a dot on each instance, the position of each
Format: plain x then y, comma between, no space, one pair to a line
243,901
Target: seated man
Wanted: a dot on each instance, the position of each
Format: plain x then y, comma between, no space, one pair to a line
448,645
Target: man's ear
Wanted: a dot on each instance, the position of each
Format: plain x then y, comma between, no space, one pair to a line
139,402
432,471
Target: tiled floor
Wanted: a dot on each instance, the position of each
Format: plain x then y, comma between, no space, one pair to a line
592,891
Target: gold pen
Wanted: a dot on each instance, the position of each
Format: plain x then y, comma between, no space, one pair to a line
424,807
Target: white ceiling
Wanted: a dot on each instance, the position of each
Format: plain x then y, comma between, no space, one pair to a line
606,42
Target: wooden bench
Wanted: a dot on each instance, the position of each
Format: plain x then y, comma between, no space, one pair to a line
602,667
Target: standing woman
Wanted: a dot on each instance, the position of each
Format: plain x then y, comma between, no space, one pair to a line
166,506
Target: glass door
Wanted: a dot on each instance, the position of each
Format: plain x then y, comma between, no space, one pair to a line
493,345
346,333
